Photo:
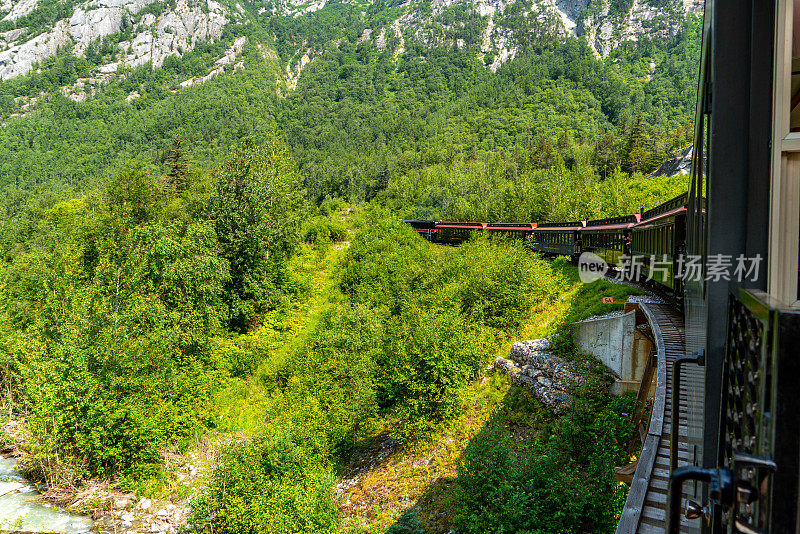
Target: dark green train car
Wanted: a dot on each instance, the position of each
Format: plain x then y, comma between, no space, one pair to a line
609,238
454,233
658,240
560,238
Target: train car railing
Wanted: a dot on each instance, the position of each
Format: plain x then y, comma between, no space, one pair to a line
570,224
754,488
622,219
514,226
670,205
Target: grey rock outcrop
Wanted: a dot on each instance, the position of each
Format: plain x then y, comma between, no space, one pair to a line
679,162
532,365
19,9
20,59
174,32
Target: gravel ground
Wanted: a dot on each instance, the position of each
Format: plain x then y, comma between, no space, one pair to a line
652,299
604,316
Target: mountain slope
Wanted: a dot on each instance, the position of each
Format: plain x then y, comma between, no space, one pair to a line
135,32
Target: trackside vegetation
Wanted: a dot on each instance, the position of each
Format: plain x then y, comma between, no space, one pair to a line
171,310
218,272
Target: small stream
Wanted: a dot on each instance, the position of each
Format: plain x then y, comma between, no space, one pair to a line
21,511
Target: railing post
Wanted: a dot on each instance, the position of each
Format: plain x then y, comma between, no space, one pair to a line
699,358
721,481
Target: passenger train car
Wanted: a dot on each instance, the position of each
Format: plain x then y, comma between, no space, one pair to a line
657,234
561,238
516,230
609,238
659,240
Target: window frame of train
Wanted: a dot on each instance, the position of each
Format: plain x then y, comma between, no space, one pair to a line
760,404
784,235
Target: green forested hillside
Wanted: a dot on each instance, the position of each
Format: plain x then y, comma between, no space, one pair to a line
220,267
359,117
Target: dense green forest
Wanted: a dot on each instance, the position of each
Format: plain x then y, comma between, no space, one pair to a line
223,262
360,119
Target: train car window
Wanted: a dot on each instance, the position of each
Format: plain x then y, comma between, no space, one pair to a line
669,241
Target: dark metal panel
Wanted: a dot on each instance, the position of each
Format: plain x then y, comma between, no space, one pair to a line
786,416
760,420
727,185
761,45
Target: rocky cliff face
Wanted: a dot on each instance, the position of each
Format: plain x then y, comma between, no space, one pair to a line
600,22
163,28
174,31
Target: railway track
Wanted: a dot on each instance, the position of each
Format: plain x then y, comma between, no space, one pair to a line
645,507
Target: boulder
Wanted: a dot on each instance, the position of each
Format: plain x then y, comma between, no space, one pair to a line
532,365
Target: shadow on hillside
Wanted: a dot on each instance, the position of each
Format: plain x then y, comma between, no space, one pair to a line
530,470
445,498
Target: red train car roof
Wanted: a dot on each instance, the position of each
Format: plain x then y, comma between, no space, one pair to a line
464,225
519,228
556,228
609,227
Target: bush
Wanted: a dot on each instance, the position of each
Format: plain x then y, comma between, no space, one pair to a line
337,367
387,266
496,282
429,358
275,483
562,481
324,230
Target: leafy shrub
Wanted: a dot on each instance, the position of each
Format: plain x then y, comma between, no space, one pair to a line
561,481
276,483
324,230
386,266
496,282
330,206
337,366
429,358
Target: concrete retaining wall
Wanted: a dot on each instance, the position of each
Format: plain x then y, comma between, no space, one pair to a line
615,342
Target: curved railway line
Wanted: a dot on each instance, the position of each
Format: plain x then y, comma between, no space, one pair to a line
645,507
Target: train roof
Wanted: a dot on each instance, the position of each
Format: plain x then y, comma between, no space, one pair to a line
669,206
556,226
680,209
511,226
465,225
612,223
418,222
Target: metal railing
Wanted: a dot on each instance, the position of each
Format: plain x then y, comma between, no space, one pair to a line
754,489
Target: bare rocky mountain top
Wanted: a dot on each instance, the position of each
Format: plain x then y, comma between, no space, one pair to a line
179,27
173,32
